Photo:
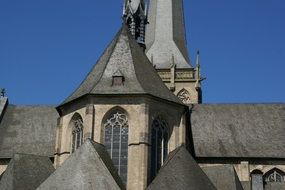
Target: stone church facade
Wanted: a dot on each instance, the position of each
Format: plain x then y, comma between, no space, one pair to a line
137,121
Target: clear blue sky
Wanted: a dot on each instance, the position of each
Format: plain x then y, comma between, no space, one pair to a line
48,46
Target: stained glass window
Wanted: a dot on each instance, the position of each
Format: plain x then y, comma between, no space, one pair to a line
116,141
159,145
77,132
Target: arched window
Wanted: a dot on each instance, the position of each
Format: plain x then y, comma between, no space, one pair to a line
77,132
116,141
274,175
159,145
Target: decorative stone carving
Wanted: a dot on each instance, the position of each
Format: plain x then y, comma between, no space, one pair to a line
164,75
184,75
184,96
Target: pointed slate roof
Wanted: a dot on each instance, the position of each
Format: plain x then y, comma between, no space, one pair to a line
88,168
26,172
165,34
180,171
126,55
223,177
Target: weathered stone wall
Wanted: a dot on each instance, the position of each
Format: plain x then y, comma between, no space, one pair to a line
182,83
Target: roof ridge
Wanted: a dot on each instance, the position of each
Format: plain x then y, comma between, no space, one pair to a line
131,49
151,72
114,43
171,155
115,40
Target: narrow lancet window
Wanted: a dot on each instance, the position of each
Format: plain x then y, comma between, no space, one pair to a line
159,145
116,141
77,132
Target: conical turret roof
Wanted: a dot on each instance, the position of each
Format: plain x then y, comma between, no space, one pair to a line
125,55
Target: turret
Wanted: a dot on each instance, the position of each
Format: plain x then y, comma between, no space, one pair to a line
135,16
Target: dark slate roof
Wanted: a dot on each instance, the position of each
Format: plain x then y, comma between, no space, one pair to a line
125,55
238,130
29,130
89,167
26,172
275,186
223,177
180,171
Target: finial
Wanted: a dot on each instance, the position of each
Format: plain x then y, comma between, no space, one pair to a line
2,92
173,61
198,74
198,65
135,16
198,59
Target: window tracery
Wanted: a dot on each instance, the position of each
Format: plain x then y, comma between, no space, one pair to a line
116,141
77,132
184,96
275,176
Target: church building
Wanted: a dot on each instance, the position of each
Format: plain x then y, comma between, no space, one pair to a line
137,121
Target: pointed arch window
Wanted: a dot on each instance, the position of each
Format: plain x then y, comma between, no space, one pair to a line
159,145
77,132
274,175
116,141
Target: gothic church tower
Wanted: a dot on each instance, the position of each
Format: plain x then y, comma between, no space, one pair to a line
166,48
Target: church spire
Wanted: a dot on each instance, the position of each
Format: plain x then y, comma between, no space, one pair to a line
135,16
165,34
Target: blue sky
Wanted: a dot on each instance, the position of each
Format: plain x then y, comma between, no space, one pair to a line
47,47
